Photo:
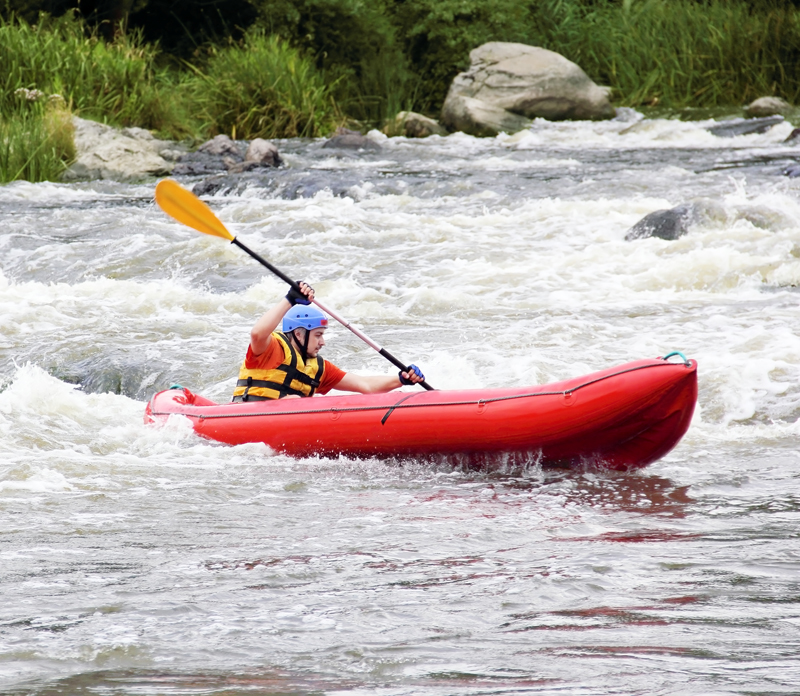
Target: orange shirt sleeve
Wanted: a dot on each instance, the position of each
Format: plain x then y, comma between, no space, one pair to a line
330,378
269,359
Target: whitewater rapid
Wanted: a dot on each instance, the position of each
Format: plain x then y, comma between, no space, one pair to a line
147,560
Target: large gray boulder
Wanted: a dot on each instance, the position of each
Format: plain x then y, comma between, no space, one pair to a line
127,154
526,81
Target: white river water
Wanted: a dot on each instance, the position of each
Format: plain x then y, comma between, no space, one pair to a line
142,560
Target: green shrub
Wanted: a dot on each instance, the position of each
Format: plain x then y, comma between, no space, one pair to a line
114,82
263,88
355,44
679,53
369,59
36,138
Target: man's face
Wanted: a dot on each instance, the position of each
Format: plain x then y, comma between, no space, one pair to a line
315,342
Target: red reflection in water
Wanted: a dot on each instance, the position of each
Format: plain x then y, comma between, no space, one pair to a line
594,618
638,537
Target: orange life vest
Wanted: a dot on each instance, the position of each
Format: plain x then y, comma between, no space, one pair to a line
293,376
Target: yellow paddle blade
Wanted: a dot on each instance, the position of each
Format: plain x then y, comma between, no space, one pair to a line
187,208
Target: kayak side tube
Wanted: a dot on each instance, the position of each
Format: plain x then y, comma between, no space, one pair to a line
624,417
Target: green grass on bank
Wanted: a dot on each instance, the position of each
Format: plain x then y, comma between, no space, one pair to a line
36,138
59,67
114,82
262,88
682,54
306,66
701,53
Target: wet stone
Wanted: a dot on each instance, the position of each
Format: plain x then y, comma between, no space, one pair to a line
664,224
742,126
351,140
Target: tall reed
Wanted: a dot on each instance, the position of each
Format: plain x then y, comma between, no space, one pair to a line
115,82
263,88
36,138
376,89
679,53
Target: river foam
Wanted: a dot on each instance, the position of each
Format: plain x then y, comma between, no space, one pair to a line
145,559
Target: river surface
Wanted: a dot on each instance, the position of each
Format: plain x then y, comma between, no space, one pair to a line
143,560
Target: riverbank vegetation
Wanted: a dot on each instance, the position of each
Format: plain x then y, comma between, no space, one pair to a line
286,68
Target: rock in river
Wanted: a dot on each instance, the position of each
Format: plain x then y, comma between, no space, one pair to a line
127,154
664,224
767,106
526,82
672,223
413,125
350,140
263,152
223,154
744,126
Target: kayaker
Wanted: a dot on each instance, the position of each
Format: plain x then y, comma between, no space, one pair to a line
286,364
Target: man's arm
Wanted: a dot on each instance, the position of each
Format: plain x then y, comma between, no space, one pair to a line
375,384
261,333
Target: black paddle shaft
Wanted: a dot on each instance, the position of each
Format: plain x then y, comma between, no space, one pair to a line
267,264
286,279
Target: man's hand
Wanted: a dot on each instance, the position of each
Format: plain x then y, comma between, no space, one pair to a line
304,297
412,376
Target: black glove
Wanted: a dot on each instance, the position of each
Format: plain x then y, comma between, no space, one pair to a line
411,368
297,297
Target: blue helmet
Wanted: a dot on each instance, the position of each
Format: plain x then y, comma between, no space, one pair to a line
304,317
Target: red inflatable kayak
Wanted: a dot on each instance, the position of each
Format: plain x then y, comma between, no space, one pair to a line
623,417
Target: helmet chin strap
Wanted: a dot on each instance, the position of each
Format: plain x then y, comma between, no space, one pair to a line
304,346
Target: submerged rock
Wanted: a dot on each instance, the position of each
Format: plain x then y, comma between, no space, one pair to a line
350,140
794,135
673,223
127,154
526,82
213,156
744,126
767,106
198,164
230,183
664,224
792,171
284,183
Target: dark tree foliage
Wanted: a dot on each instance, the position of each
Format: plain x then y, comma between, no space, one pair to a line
354,42
381,56
180,26
29,9
335,32
109,16
183,26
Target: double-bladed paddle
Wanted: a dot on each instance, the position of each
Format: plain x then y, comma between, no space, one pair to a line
185,207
